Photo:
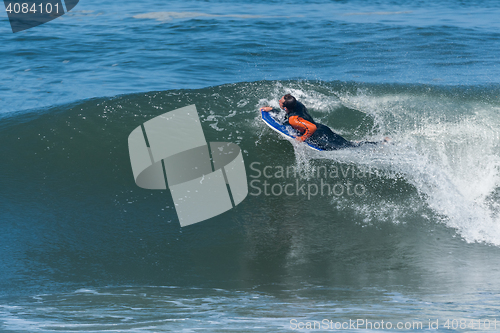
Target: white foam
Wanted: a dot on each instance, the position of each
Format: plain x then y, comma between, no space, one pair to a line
168,16
379,13
447,149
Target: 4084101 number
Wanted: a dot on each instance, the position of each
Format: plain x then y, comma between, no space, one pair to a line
25,8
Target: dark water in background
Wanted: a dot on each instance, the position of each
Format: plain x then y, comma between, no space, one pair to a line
84,249
104,49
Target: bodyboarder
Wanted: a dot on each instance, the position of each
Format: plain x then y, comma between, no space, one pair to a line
320,135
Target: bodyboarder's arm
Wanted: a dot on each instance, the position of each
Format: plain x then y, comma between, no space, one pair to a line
303,126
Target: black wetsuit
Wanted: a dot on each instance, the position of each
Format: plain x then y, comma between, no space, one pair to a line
324,138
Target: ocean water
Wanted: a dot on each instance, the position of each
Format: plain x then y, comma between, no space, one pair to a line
410,235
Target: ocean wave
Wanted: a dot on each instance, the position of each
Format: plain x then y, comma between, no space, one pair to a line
379,13
169,16
68,199
445,146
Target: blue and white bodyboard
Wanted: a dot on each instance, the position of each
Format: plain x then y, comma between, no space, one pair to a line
276,121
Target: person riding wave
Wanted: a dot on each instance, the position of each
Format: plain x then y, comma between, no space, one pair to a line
320,135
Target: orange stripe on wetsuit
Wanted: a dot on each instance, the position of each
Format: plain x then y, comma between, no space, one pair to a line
306,128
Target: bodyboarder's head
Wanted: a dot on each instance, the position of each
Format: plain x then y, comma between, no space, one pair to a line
288,103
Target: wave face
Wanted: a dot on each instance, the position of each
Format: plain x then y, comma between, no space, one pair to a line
72,214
